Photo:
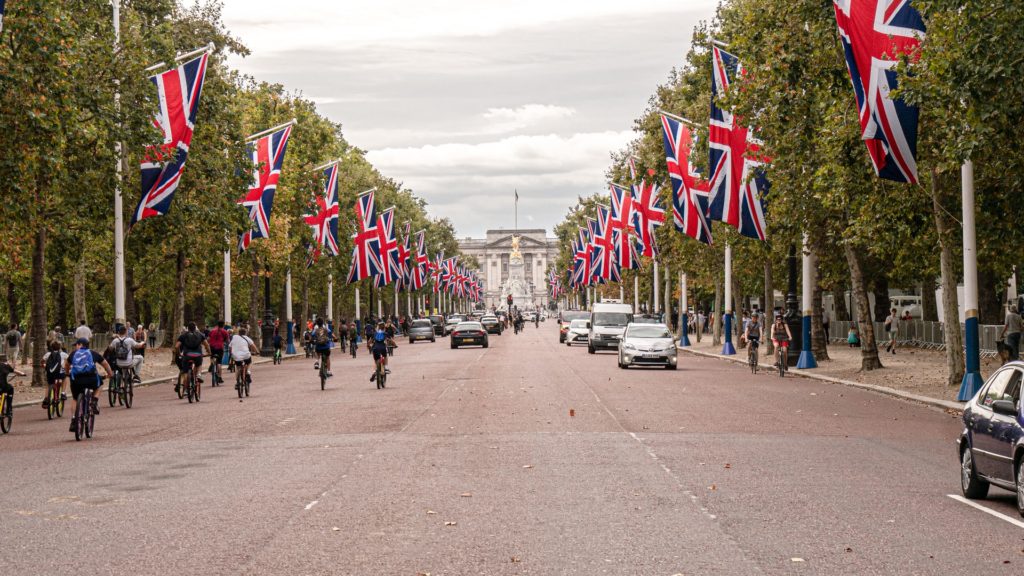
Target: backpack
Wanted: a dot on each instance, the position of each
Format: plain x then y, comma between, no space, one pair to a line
122,349
12,338
82,363
53,363
321,336
192,341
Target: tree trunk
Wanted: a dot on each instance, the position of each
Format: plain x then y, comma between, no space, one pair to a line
952,336
839,299
868,348
881,290
255,310
61,317
767,307
929,311
12,303
79,292
716,316
38,328
177,320
305,302
991,294
131,311
819,344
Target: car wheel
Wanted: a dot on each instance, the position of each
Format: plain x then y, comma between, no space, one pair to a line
454,346
670,366
485,344
590,349
622,365
432,340
561,339
1020,486
411,341
973,487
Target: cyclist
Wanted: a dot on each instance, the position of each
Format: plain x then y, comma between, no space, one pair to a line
81,370
322,341
752,334
242,348
218,337
124,352
353,338
368,332
780,335
278,341
307,342
389,332
190,347
379,347
53,364
6,369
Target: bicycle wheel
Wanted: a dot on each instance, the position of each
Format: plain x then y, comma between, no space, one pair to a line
129,394
6,414
60,404
379,375
190,391
51,404
323,376
90,417
112,389
198,389
248,380
238,383
80,417
180,388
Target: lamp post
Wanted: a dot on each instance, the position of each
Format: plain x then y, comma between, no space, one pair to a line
806,360
267,347
972,375
728,349
792,314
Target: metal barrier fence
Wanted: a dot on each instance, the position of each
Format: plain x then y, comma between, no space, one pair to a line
920,334
98,342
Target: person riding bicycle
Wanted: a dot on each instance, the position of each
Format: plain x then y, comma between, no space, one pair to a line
307,341
322,341
278,341
124,352
218,338
389,332
190,347
780,334
368,333
80,368
353,338
53,367
6,369
379,347
752,334
242,348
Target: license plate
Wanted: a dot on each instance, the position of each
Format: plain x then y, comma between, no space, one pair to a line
466,340
651,355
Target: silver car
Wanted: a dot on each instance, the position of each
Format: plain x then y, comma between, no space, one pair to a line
647,345
579,332
421,329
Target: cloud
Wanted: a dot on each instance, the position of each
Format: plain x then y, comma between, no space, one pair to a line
511,119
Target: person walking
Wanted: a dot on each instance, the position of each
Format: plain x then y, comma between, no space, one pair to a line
13,338
83,331
1011,332
892,326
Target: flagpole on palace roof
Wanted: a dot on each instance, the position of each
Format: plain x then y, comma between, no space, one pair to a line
119,288
517,210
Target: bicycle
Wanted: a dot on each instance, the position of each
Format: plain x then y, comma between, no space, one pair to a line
6,412
752,351
277,356
381,373
782,351
85,416
55,398
240,386
323,373
192,387
122,387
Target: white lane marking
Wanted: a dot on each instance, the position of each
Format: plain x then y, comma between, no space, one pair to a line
311,504
999,515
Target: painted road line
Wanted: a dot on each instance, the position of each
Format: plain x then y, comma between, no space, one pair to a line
999,515
311,504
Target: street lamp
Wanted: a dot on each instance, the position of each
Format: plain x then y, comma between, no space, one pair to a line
267,345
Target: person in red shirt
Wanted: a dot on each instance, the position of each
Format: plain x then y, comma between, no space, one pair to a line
218,336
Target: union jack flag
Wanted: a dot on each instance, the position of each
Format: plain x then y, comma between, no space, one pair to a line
419,271
689,190
875,33
606,261
436,271
312,254
178,90
650,214
366,260
405,277
324,219
738,184
622,217
390,270
267,153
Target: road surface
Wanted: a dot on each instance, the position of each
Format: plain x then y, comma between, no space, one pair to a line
525,458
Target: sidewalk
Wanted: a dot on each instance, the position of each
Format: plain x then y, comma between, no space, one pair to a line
911,373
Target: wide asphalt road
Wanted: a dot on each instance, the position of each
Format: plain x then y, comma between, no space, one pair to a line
524,458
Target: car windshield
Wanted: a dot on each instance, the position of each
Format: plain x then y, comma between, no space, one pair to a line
421,323
571,315
455,319
469,326
488,319
612,318
648,331
579,324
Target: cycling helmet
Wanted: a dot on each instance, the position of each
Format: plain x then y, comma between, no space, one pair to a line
379,336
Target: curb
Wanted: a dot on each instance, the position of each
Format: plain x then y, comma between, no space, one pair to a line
933,402
165,379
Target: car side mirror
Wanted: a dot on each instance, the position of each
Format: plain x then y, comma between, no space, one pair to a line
1006,407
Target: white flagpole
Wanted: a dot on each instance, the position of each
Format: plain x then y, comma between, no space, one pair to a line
636,293
330,296
227,287
657,290
358,312
288,311
119,290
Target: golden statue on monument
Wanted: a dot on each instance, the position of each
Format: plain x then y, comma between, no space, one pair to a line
516,254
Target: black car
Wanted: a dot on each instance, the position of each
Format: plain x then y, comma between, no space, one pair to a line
991,445
469,334
438,321
492,324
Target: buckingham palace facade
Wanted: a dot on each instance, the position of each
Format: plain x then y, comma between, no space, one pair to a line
493,252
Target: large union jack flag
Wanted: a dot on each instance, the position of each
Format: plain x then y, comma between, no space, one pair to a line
606,257
324,219
875,33
267,153
738,184
422,262
404,252
366,260
689,190
178,90
390,271
649,215
436,271
621,224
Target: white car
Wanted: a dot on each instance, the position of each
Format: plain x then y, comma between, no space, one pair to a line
579,332
648,345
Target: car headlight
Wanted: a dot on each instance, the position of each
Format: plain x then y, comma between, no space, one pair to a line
628,347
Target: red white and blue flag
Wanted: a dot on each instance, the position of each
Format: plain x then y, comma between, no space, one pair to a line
324,219
689,190
422,262
267,153
875,33
649,215
366,261
390,270
178,90
436,271
738,184
622,225
606,266
582,259
404,252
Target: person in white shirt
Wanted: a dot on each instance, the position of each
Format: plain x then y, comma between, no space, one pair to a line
124,350
242,348
83,331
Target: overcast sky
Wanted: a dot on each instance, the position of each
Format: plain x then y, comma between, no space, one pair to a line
465,101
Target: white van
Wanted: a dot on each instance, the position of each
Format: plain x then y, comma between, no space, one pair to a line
607,324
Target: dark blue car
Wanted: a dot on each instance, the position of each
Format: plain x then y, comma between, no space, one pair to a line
992,443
